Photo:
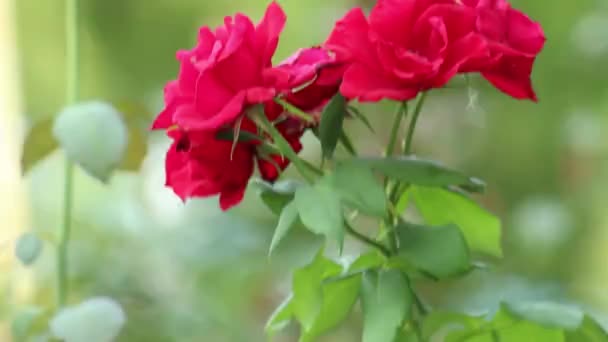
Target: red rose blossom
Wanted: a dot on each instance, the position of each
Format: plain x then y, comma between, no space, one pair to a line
405,47
513,41
226,75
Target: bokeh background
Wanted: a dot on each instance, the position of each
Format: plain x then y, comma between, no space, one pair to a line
191,273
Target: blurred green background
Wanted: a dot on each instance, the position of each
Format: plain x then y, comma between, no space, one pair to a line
191,273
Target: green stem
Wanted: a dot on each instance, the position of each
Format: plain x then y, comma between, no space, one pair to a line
72,66
366,240
407,143
399,116
295,111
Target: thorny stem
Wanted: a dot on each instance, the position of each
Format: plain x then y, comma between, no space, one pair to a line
72,66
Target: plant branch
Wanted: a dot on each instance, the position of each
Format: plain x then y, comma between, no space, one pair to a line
366,240
72,86
407,143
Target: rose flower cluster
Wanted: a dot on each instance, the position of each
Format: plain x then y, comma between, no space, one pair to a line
403,48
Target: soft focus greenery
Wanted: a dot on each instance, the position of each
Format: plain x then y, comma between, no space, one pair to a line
187,272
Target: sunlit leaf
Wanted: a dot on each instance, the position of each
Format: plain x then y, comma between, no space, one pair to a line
330,127
439,250
386,300
358,187
308,291
371,259
588,331
38,144
440,207
28,248
94,136
338,298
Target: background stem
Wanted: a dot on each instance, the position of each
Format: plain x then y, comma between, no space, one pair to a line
72,66
407,143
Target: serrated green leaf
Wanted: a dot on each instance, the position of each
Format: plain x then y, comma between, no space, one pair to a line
38,144
280,318
417,171
440,207
338,298
94,136
321,212
358,188
288,217
386,299
330,127
439,250
307,289
28,248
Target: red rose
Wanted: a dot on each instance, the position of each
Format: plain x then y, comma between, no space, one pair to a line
405,47
199,165
513,41
224,73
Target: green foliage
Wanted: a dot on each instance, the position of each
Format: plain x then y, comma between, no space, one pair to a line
321,211
386,299
440,207
28,248
280,318
419,172
28,321
330,128
287,219
276,196
440,251
358,188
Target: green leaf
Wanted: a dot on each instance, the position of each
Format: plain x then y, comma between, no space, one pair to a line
348,144
28,248
288,217
276,196
358,188
439,324
280,318
339,297
359,115
371,259
307,289
440,207
321,212
94,136
281,143
330,127
417,171
547,314
588,331
386,299
440,250
38,144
